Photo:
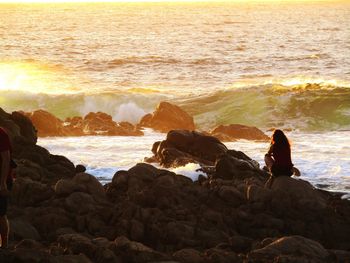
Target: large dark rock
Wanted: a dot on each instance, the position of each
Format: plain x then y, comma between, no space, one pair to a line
183,146
234,132
168,117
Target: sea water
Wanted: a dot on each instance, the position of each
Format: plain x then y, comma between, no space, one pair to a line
283,65
326,165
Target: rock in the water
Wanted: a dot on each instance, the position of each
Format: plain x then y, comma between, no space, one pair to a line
183,146
46,123
168,117
98,123
234,132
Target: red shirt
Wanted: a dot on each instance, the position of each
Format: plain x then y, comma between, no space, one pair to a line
5,145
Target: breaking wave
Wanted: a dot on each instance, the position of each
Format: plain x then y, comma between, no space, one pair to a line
308,107
305,107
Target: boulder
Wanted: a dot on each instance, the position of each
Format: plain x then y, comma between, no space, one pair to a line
235,132
300,192
230,166
81,182
183,146
168,117
27,192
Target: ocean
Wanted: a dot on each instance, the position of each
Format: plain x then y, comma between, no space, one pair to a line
283,65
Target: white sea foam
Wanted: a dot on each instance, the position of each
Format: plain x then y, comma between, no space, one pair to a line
323,158
129,112
190,170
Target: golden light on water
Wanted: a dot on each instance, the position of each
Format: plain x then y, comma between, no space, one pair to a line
32,77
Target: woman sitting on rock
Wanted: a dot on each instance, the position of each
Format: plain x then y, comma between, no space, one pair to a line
278,159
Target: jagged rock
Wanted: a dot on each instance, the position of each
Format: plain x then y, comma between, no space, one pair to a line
234,132
168,117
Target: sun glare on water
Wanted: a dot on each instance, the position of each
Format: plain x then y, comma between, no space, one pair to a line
31,77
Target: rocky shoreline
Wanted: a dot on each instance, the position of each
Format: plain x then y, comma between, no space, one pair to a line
60,214
165,118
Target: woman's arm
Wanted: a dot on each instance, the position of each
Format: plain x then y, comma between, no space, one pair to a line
270,151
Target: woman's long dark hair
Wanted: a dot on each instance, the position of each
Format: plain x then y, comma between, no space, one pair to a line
279,139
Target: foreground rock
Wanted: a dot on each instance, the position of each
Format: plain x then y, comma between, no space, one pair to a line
98,123
60,214
234,132
168,117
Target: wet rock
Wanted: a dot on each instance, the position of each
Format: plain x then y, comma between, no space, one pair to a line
168,117
234,132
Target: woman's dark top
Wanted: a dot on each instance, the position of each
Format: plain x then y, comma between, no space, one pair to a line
283,162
